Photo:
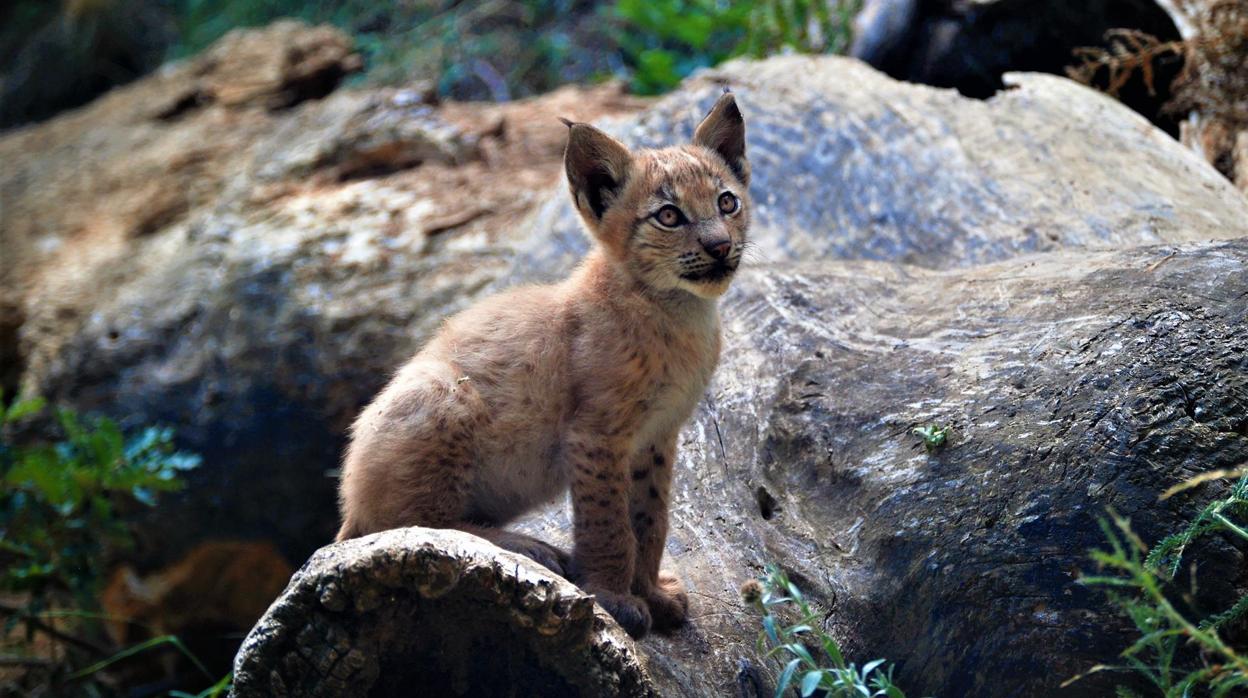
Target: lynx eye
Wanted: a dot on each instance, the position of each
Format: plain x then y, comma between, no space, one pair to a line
728,203
669,216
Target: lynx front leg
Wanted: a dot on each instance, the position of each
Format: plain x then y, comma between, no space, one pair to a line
651,477
605,553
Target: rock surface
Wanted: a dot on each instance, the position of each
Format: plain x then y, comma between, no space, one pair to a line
851,165
1034,269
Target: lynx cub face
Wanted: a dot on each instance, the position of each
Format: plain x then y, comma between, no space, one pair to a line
676,218
581,385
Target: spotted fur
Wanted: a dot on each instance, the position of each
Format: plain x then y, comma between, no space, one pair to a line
582,384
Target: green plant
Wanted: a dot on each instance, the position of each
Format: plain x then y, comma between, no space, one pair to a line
62,515
1141,583
59,513
495,49
805,26
1213,82
665,41
219,688
822,669
933,436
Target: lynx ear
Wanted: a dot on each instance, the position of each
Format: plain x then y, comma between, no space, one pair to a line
723,130
598,167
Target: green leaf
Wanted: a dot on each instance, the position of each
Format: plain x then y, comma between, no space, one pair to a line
106,444
1228,682
73,428
657,69
144,496
810,682
833,650
799,650
769,626
793,591
139,648
42,472
1108,581
694,30
786,677
212,691
1234,612
24,408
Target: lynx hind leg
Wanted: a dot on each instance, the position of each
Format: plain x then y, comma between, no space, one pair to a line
549,556
346,531
410,461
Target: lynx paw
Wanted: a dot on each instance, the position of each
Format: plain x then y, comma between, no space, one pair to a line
668,602
629,611
544,554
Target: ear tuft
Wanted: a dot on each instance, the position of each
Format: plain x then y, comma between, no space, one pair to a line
566,122
723,130
597,166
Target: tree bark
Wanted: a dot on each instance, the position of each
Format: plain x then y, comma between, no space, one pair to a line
431,612
1074,382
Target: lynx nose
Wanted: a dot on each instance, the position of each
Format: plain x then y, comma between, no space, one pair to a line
718,249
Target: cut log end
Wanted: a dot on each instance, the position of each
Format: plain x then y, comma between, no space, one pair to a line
441,610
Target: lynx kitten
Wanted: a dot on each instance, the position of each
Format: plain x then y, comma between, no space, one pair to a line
584,383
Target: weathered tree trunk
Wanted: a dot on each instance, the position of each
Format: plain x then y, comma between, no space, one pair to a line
428,612
1075,381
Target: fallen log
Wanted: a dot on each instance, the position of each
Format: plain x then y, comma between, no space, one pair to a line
430,612
1074,381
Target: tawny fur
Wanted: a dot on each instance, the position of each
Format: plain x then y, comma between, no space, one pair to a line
217,588
585,383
